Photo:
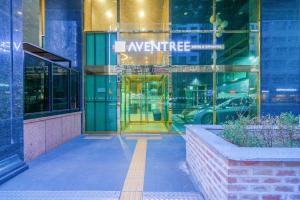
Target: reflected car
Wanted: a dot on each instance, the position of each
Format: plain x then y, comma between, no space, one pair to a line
229,110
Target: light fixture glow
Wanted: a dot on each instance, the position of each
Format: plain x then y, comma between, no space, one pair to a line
141,14
109,14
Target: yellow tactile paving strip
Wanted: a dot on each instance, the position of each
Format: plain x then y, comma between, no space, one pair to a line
134,182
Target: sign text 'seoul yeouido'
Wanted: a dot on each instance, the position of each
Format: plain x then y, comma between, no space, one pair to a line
151,46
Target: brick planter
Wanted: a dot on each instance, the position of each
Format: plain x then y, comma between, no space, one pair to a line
224,171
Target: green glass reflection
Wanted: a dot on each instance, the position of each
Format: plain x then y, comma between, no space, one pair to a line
237,15
191,14
192,101
236,95
240,49
144,103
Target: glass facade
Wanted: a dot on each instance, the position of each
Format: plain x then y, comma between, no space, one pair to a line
49,88
164,89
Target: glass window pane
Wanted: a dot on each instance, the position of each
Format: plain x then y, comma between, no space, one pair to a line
236,95
194,57
237,15
74,90
36,85
100,15
191,14
240,49
144,58
192,99
144,15
60,88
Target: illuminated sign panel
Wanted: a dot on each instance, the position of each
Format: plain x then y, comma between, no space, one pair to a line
151,46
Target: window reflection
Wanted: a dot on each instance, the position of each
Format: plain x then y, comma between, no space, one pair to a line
60,88
240,49
194,57
236,95
36,85
237,15
192,99
191,14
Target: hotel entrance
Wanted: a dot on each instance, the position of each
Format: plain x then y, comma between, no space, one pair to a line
144,103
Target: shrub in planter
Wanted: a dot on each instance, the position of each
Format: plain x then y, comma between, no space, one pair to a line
267,131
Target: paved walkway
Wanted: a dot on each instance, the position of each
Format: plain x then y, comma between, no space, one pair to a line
129,167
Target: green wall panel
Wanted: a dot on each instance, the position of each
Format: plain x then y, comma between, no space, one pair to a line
101,102
89,88
100,49
100,89
90,116
90,49
111,116
100,117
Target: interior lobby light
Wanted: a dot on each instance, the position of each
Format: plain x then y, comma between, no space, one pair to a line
109,14
142,14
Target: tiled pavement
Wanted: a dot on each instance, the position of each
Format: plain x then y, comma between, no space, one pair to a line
107,167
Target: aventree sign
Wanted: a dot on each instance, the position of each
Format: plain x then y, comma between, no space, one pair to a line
154,46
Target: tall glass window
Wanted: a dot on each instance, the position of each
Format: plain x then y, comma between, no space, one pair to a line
36,84
60,88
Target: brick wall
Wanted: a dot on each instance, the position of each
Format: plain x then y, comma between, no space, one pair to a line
222,178
44,134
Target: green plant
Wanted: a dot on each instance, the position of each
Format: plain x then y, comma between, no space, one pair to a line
267,131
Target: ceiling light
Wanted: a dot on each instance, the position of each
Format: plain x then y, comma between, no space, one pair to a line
109,14
142,14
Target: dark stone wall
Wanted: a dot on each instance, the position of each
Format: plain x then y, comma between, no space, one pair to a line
11,79
280,57
63,31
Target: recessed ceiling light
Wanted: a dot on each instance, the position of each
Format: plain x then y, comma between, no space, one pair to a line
108,14
141,14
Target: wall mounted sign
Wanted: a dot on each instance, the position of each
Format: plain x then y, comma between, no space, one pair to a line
161,46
